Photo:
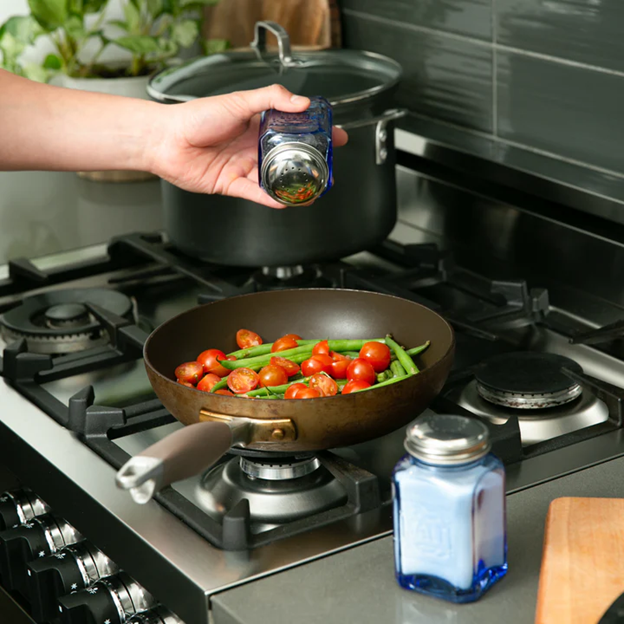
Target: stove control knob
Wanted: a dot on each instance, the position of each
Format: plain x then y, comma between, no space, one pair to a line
18,507
35,539
159,615
114,599
72,569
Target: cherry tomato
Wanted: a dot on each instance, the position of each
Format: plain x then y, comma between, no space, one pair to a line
287,342
294,390
377,354
308,393
224,391
290,367
245,338
272,375
339,368
190,372
311,367
242,380
326,361
324,384
361,370
207,382
186,383
293,336
356,384
321,348
210,361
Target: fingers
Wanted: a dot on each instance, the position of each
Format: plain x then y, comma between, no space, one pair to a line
339,137
250,103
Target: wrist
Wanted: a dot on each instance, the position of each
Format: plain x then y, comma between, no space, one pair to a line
147,128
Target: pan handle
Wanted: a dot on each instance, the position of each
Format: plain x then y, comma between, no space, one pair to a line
179,456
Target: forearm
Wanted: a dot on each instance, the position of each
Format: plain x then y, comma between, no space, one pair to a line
52,128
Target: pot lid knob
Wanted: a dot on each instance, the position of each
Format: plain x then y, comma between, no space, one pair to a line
294,173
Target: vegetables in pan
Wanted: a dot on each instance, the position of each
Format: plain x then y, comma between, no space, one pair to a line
294,368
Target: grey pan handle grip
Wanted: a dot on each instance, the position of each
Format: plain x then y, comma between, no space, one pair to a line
179,456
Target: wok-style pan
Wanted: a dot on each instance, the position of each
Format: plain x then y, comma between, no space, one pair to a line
216,422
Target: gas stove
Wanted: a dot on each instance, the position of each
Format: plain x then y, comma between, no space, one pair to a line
77,403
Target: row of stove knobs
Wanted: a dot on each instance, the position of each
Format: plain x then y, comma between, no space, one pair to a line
63,578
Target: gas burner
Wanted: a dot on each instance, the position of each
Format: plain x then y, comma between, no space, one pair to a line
280,278
526,380
279,471
533,388
278,491
60,322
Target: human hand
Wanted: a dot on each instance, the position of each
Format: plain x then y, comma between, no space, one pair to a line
210,145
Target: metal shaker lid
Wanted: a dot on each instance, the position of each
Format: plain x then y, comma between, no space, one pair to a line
294,173
447,439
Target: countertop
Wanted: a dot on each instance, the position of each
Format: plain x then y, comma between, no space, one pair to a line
358,585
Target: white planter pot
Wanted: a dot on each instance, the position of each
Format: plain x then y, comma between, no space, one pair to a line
128,87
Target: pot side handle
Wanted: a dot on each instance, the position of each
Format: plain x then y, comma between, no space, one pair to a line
180,455
381,133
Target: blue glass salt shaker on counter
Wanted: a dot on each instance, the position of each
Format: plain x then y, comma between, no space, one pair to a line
295,153
449,510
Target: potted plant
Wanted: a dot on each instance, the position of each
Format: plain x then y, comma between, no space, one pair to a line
147,35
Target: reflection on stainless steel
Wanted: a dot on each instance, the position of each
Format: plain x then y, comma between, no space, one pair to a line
271,502
537,425
530,401
116,385
279,471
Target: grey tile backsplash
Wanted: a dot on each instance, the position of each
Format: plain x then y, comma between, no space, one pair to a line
444,77
561,109
465,17
546,76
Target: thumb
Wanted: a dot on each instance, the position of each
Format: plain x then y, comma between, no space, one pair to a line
246,104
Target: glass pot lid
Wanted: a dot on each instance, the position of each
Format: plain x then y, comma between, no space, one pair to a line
344,77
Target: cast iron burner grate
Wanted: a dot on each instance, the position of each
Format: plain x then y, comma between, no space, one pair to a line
60,321
528,380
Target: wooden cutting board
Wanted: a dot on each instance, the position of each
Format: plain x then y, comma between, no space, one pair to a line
311,24
583,560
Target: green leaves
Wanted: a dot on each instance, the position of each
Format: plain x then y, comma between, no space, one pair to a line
155,8
194,4
51,14
133,18
53,62
22,28
214,46
74,27
94,6
185,32
35,72
138,44
15,35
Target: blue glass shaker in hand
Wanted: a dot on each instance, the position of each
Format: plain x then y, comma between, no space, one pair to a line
449,510
295,153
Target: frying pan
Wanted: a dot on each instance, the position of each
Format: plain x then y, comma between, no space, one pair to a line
217,422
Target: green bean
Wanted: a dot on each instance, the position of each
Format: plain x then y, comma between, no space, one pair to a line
219,385
397,369
383,376
278,389
351,354
405,360
263,349
417,350
258,362
387,382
